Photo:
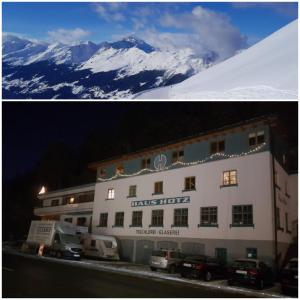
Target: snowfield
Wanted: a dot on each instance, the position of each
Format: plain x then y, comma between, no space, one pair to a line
267,70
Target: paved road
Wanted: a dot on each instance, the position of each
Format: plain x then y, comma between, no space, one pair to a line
27,277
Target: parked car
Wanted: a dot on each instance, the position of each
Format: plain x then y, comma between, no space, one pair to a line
289,278
166,259
250,272
203,267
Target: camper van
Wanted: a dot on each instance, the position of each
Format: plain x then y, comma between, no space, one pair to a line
100,246
53,238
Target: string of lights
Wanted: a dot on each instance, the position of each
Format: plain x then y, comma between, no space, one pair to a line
186,164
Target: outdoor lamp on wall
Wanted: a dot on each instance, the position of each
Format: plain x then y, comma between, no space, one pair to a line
72,200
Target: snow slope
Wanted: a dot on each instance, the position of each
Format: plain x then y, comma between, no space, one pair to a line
267,70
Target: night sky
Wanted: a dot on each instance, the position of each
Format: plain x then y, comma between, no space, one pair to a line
28,128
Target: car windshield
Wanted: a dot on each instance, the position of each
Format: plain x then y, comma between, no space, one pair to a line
245,264
159,253
69,238
292,265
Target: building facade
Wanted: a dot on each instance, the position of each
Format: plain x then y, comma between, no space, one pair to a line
74,205
224,193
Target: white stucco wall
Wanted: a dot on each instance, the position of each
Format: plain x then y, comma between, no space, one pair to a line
254,182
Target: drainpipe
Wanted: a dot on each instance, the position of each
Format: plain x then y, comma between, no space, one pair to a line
274,204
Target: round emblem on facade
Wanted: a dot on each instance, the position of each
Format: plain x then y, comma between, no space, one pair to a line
160,162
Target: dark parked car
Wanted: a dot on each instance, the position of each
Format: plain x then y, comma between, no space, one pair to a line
202,267
250,272
289,278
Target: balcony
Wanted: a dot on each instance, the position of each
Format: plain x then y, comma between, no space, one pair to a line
64,209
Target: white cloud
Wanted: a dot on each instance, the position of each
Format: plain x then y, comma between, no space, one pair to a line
66,36
206,29
110,11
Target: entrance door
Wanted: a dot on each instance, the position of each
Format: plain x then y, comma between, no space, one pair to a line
221,255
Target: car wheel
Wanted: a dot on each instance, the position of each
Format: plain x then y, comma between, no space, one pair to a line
153,269
58,254
207,276
261,284
230,282
172,269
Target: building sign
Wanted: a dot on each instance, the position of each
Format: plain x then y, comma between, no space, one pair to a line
160,162
163,201
157,231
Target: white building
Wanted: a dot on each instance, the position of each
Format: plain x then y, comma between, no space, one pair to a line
74,205
226,192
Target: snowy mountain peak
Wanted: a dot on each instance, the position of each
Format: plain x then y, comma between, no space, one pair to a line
132,42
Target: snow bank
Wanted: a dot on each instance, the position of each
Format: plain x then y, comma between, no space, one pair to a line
267,70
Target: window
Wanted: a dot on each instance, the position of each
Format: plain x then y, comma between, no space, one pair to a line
177,156
132,191
157,218
103,220
158,187
119,219
286,189
120,170
256,138
217,147
93,243
230,177
69,220
251,253
55,202
111,193
242,215
137,219
190,183
181,217
102,172
71,200
146,163
209,216
287,223
85,198
81,221
278,225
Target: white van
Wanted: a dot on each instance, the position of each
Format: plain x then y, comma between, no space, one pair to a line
100,246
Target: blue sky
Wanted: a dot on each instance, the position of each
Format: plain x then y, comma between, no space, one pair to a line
199,25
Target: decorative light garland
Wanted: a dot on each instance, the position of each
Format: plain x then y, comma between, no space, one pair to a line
185,164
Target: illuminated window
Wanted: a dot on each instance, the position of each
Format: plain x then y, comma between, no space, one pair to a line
146,162
158,187
119,219
111,193
103,220
256,138
230,177
242,215
181,217
217,147
157,218
120,170
137,217
132,191
209,216
189,183
177,156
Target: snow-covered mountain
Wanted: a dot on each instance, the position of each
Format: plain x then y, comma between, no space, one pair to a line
267,70
33,69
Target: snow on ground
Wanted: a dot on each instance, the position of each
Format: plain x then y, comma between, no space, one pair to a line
144,271
267,70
